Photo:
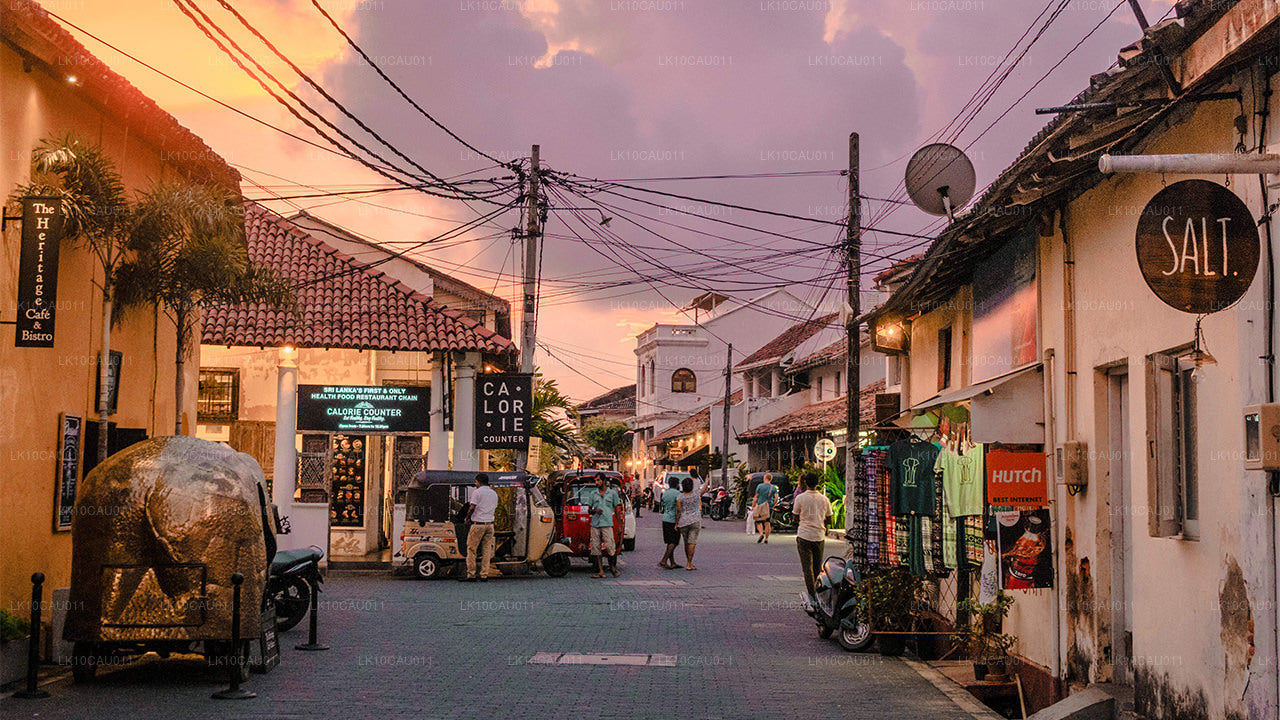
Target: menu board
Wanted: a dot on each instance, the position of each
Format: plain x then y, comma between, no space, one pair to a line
64,500
346,503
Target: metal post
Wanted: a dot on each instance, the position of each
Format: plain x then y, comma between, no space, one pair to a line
528,334
728,392
853,375
33,643
234,660
312,643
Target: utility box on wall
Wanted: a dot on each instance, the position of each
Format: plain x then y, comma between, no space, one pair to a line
1072,465
1262,437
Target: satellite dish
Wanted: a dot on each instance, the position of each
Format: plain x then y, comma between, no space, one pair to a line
940,178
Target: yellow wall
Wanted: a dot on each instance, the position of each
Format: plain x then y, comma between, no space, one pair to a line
36,384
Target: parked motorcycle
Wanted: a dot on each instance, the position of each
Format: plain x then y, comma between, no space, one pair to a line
784,519
837,609
295,575
719,504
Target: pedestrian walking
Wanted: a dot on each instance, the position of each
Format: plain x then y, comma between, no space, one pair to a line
602,501
689,512
813,511
670,535
762,508
480,509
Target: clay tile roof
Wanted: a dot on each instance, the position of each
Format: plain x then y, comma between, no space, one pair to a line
778,347
819,417
341,303
623,398
831,353
698,422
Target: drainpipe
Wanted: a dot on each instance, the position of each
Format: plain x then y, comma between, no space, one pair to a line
1050,436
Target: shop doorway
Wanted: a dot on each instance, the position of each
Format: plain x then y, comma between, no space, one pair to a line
1121,499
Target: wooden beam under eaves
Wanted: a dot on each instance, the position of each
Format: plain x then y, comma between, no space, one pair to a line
1231,32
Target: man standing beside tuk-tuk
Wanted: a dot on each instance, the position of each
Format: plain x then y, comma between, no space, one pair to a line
481,508
602,500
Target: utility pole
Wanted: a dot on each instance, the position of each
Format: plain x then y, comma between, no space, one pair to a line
528,330
728,391
853,375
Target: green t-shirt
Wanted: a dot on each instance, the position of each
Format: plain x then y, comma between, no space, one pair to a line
669,497
911,465
962,481
606,502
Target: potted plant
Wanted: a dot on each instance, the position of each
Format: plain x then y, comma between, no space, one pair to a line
889,598
982,639
13,648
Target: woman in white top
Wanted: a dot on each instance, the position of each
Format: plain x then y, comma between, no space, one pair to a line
688,519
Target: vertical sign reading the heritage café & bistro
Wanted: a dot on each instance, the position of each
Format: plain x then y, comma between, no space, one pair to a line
38,271
504,411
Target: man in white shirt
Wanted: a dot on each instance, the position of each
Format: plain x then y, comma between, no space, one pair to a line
813,511
482,505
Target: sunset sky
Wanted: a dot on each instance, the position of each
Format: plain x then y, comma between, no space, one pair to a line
616,89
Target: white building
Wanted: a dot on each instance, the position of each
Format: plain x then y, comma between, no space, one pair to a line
681,369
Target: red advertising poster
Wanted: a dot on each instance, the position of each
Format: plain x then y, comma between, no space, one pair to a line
1016,479
1025,549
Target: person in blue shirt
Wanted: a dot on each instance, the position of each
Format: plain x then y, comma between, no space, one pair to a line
602,500
762,508
670,535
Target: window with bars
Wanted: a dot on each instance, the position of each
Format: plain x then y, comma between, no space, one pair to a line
219,397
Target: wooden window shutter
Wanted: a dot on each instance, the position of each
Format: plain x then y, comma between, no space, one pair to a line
1162,447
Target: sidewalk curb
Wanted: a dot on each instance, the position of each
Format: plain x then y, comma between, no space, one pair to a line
958,694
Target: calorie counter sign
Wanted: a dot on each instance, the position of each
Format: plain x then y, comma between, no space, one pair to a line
1016,479
504,410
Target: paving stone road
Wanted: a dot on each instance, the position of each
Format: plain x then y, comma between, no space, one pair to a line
726,641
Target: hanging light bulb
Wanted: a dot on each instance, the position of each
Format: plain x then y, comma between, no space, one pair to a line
1200,355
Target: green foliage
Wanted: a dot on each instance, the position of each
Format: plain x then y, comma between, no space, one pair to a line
833,487
548,400
94,208
981,636
13,627
608,436
188,251
889,598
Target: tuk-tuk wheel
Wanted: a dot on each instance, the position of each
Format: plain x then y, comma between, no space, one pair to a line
427,566
216,656
556,565
84,662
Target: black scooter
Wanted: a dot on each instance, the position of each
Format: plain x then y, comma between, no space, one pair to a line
295,574
837,610
783,517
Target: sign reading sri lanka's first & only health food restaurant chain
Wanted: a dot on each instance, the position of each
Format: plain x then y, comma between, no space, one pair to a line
38,271
365,408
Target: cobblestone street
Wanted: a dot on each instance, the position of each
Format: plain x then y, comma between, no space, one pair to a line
726,641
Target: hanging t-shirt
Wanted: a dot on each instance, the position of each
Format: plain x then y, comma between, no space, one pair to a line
962,480
911,468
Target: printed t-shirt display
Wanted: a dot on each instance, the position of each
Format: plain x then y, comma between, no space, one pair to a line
911,468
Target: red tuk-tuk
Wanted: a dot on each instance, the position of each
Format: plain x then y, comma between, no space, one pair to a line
573,519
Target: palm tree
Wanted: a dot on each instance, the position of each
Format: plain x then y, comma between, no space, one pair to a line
95,213
188,252
548,402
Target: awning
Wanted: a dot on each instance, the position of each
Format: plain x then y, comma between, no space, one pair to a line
1008,408
694,457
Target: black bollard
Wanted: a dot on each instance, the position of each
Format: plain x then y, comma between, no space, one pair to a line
233,656
311,643
33,643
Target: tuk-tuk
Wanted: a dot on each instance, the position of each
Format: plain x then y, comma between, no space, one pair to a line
573,519
159,530
434,540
